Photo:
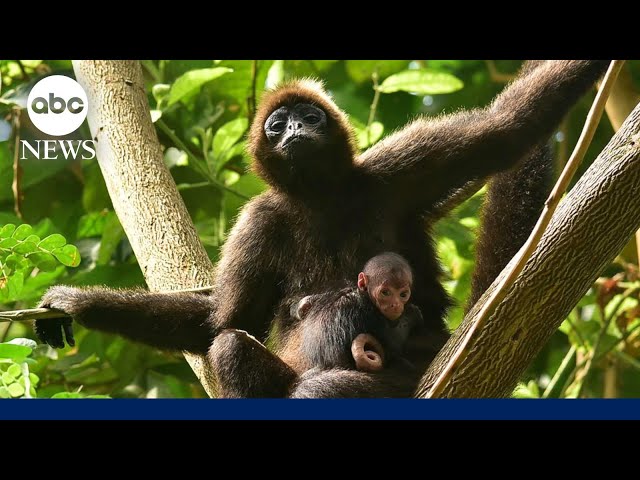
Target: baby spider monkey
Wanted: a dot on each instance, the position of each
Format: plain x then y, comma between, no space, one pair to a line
368,324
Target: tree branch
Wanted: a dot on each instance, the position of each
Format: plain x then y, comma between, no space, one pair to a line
143,192
528,248
585,234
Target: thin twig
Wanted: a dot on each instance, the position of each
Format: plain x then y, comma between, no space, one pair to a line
497,76
195,161
527,249
374,105
16,184
581,339
25,75
561,369
31,314
251,101
4,332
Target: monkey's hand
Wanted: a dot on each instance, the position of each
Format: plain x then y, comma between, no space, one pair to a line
367,353
54,331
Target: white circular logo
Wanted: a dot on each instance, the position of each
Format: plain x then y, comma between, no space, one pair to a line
57,105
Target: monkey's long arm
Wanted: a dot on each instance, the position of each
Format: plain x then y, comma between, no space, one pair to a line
243,296
166,320
445,153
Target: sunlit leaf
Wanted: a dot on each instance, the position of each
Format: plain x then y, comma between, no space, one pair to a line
44,261
16,390
14,285
67,255
160,91
8,242
369,134
228,135
424,82
14,370
7,230
22,232
276,74
52,241
174,157
14,352
193,80
24,248
362,70
25,342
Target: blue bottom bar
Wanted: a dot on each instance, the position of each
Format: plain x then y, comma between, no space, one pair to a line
327,409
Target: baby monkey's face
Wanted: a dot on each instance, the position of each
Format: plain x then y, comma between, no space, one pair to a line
390,298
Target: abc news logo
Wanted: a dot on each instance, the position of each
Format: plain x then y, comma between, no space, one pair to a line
57,106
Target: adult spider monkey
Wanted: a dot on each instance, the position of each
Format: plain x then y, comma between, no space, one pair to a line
327,212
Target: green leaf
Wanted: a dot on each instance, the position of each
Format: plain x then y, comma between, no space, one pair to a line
4,392
369,134
25,342
33,378
362,70
227,136
7,378
14,370
192,81
7,230
174,157
8,242
92,224
424,82
22,232
15,352
44,261
160,91
33,239
14,261
112,234
68,395
16,390
14,286
68,255
25,248
275,74
52,241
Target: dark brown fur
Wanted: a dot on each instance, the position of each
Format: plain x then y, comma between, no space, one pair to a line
326,216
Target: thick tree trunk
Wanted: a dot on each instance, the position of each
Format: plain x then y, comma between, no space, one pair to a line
590,227
143,192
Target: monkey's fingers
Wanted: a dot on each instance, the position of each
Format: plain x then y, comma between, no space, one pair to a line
49,331
67,328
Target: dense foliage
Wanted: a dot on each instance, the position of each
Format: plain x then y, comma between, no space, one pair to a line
57,224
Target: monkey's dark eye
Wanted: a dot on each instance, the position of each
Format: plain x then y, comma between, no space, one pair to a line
404,294
311,119
385,293
278,126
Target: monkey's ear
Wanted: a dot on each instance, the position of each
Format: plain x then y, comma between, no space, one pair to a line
303,307
362,281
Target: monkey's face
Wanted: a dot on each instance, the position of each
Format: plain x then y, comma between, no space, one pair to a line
296,131
390,298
